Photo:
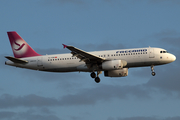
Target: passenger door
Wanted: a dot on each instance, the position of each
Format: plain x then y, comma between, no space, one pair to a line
151,52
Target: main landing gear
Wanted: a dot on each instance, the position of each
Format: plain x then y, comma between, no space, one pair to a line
152,69
93,75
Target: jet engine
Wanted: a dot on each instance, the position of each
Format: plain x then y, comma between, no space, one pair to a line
116,73
112,65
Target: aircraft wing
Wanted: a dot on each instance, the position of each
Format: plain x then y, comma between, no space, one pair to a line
84,56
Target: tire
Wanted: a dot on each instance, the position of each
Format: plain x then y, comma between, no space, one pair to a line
97,80
93,75
153,73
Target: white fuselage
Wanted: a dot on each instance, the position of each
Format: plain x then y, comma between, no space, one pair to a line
137,57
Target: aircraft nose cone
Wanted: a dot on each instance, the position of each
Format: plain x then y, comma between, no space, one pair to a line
173,57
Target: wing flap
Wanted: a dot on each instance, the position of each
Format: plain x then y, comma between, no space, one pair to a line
16,60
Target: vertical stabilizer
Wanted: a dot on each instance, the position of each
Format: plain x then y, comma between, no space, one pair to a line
19,47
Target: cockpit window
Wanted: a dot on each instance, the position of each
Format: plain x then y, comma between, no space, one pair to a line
163,52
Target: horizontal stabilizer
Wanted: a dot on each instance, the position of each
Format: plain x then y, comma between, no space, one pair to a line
16,60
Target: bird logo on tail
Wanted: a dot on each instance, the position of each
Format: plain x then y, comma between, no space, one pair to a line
19,47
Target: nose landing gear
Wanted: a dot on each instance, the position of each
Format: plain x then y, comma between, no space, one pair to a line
152,69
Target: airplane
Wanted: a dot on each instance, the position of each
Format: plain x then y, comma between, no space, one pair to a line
114,63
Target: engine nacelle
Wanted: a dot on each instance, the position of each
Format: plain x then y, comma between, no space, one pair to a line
112,65
116,73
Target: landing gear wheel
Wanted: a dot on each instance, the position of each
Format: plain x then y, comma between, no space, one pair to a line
93,75
97,80
152,69
153,73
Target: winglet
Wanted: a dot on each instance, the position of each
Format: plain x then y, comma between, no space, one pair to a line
64,45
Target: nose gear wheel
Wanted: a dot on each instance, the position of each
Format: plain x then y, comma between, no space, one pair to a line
152,69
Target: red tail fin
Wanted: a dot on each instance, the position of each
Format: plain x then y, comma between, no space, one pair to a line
19,47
